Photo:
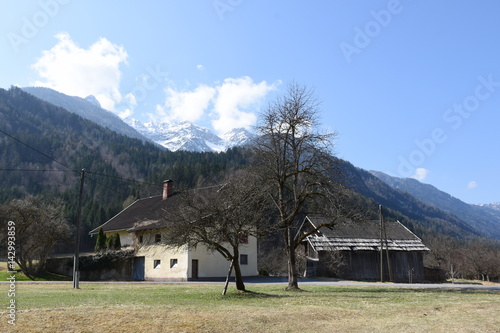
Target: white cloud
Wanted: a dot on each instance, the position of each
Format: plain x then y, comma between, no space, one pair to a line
420,174
200,67
72,70
472,184
230,104
130,102
236,103
185,105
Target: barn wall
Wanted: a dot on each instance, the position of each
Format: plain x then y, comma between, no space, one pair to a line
365,265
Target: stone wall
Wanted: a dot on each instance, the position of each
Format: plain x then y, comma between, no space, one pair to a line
99,267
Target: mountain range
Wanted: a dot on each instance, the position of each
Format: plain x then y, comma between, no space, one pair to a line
171,135
88,108
481,217
112,158
494,205
188,136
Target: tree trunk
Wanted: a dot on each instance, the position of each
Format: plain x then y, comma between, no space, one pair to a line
238,278
292,262
40,266
24,268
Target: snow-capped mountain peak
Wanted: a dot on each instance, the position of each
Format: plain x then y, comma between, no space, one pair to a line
93,100
237,137
494,205
188,136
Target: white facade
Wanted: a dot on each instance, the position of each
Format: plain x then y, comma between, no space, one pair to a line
161,262
126,239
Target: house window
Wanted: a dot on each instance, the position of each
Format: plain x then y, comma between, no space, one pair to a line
140,239
157,238
173,263
243,259
157,264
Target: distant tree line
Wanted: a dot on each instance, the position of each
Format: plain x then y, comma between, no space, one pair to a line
476,258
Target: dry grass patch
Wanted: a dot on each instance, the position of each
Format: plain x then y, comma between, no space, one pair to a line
201,308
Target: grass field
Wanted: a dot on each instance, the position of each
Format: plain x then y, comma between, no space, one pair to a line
119,307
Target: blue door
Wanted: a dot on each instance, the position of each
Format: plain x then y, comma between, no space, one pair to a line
138,269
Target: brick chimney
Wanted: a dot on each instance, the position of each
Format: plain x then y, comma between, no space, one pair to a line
168,189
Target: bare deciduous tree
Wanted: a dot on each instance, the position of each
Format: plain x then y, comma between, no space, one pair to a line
482,259
40,225
297,165
220,218
476,258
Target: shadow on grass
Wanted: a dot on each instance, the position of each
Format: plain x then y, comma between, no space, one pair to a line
402,290
45,276
238,294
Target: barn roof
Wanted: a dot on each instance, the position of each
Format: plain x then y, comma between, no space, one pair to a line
362,236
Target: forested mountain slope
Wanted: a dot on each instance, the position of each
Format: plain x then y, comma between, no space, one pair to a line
481,218
88,108
63,143
415,214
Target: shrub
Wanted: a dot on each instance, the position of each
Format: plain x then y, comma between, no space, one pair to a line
101,242
114,242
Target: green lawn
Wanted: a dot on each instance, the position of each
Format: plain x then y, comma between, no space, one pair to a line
123,307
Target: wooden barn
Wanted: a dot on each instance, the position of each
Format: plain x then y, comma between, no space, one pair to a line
352,250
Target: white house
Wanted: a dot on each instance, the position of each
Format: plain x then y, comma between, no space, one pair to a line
141,226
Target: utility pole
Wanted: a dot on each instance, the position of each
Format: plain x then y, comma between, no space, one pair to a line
386,245
381,245
76,269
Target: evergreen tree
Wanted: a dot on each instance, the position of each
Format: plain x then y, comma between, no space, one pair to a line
117,245
113,242
100,244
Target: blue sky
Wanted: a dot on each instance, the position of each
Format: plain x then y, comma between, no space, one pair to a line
411,87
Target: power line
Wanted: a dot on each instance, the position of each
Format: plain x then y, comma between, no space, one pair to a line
121,178
36,170
65,166
88,172
38,151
